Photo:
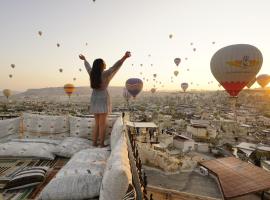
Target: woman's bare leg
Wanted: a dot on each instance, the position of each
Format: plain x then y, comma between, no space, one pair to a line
102,128
96,130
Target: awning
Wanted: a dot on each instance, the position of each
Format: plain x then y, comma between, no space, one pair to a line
141,124
238,178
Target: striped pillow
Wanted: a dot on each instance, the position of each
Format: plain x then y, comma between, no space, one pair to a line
27,177
131,193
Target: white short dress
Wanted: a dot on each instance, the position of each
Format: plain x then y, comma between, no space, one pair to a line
100,99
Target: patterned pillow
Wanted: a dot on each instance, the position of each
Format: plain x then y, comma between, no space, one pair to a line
83,127
131,193
45,126
9,129
27,177
71,145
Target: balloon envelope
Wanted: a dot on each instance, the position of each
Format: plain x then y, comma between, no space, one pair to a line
235,66
175,72
13,66
69,89
7,93
263,80
177,61
153,90
251,82
134,86
184,86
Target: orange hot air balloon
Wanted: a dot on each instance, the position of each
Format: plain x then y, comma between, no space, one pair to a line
153,90
235,66
251,82
69,89
263,80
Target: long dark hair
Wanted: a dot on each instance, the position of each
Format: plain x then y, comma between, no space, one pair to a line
96,72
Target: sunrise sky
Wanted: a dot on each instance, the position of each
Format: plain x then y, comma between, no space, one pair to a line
110,27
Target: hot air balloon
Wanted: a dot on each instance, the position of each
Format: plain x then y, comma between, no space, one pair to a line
140,73
13,66
74,79
213,42
126,94
191,43
186,58
184,86
151,65
40,33
177,61
7,93
235,66
80,69
134,86
61,70
170,36
69,89
153,90
251,82
86,44
10,76
263,80
194,49
141,65
149,55
58,45
176,73
132,64
155,75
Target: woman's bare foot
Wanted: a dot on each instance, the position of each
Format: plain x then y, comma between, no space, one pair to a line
95,144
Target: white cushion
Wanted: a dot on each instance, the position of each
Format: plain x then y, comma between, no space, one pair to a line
45,126
9,128
117,131
71,145
27,150
72,187
117,175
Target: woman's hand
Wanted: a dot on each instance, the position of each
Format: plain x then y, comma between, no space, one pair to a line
82,57
127,54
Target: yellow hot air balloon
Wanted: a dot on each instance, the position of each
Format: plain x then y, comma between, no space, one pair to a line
263,80
69,89
7,93
235,66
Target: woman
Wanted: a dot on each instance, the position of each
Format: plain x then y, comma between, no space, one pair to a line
100,99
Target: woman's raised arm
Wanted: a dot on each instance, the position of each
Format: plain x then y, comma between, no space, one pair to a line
86,64
112,70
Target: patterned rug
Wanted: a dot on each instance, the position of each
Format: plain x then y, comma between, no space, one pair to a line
10,166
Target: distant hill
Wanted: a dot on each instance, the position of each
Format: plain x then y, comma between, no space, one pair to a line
59,91
13,93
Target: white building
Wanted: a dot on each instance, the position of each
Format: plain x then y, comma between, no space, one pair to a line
183,143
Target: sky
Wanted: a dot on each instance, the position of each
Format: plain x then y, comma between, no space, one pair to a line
111,27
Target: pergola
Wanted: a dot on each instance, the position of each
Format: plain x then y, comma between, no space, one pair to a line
237,178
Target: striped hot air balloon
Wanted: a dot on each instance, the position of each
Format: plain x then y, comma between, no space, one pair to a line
184,86
69,89
263,80
134,86
235,66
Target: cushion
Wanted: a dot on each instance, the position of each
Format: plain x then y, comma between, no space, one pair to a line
9,128
26,177
71,145
83,127
80,178
45,126
88,161
117,175
27,150
116,132
72,187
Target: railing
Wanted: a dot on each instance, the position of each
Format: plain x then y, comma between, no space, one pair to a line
139,177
